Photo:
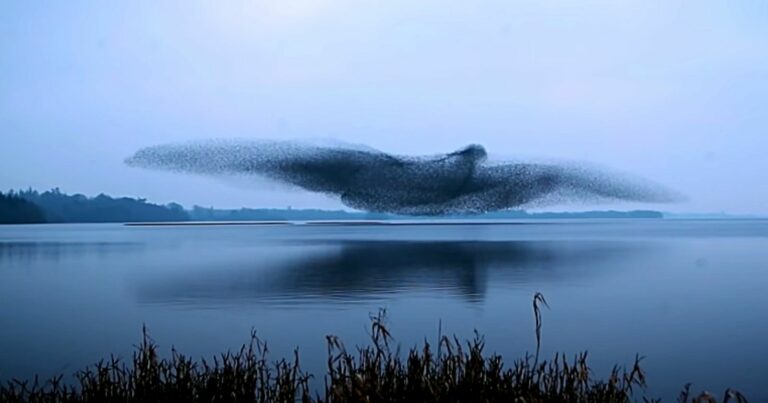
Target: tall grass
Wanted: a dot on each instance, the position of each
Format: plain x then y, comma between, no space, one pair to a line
452,371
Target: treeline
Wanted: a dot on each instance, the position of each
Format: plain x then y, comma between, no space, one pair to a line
53,206
14,209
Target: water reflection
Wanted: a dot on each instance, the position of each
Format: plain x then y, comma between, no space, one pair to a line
53,251
348,271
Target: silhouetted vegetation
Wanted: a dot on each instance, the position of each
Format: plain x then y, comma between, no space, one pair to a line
30,206
451,371
14,209
59,207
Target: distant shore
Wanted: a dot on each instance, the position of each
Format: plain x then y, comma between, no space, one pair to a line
53,206
328,223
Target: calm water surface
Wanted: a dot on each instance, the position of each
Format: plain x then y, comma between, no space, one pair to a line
691,296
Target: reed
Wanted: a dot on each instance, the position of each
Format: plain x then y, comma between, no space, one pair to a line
452,371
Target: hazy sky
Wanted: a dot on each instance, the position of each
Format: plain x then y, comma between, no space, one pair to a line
674,91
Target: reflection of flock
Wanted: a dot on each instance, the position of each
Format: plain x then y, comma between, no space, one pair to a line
358,270
367,179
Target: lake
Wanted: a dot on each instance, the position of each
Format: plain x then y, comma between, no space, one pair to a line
689,295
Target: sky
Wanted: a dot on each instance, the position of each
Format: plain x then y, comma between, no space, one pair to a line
673,91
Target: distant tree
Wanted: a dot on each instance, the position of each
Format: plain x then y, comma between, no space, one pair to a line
14,209
175,207
60,207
